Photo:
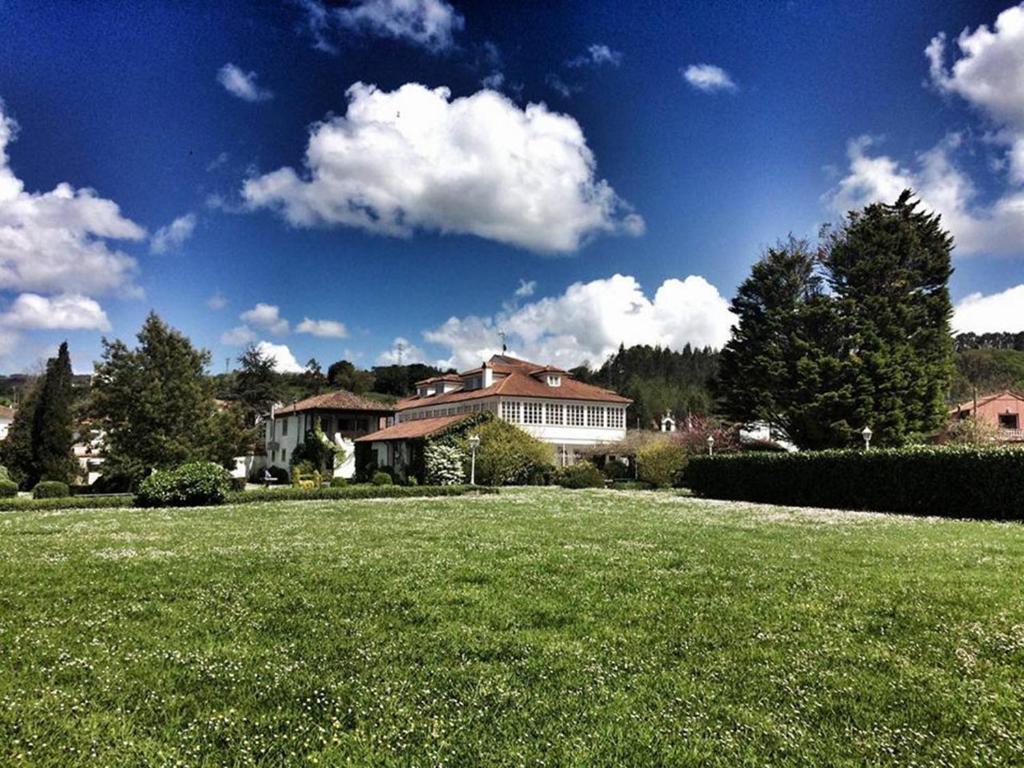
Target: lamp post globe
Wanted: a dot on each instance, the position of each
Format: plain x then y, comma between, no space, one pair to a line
866,434
711,445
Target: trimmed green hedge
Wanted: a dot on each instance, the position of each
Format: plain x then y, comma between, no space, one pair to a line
926,480
356,492
285,493
95,501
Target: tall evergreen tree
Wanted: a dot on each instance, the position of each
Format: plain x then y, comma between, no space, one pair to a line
873,350
52,428
889,268
155,403
781,360
38,443
16,450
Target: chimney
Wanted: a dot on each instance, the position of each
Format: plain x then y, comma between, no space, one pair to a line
488,376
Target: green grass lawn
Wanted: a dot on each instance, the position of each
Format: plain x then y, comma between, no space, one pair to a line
538,627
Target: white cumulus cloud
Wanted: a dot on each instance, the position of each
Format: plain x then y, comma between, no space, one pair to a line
174,234
327,329
59,240
284,360
993,313
267,317
68,311
415,158
590,320
708,78
989,75
242,84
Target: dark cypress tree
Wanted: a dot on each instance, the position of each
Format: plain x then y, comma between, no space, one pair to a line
16,449
889,268
52,428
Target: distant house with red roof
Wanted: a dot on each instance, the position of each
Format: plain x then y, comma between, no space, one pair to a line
545,401
1002,410
343,417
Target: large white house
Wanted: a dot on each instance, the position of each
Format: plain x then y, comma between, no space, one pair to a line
547,402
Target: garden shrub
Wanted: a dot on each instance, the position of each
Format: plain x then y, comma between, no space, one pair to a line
660,464
50,489
381,478
927,480
443,464
8,489
582,474
339,482
510,456
616,470
4,474
412,481
191,485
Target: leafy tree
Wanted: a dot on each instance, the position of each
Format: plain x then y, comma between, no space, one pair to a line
314,376
508,455
257,384
400,380
344,375
155,404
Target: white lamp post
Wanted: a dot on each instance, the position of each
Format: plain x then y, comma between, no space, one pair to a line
866,434
711,445
474,443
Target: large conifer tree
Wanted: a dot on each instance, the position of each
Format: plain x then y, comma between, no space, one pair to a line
889,268
874,349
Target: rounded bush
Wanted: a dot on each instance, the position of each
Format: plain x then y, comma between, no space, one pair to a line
339,482
661,464
197,484
582,474
381,478
8,489
411,480
50,489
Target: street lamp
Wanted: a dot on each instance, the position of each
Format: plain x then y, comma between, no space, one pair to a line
474,443
711,445
866,434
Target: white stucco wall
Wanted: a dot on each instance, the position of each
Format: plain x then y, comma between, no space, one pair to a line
287,443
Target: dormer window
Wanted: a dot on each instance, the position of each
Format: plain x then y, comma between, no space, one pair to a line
554,380
424,391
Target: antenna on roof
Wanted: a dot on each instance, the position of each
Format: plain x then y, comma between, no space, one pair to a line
504,339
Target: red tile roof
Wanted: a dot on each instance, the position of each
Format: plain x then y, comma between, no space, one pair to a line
519,381
411,429
984,399
336,401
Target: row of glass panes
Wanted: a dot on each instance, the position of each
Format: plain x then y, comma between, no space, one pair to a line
558,414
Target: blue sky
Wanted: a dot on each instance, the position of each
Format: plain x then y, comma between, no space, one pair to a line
667,144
